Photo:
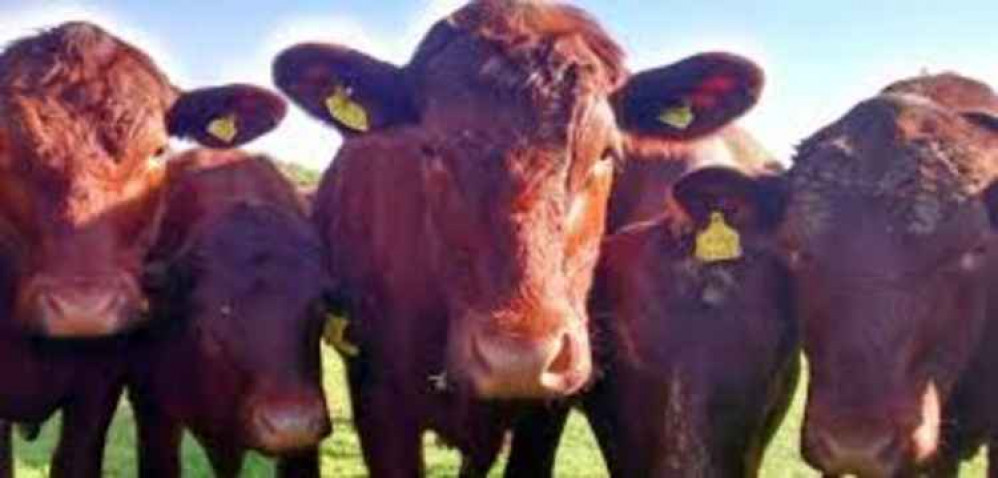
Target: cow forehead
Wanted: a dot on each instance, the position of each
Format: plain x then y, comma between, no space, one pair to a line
76,91
918,162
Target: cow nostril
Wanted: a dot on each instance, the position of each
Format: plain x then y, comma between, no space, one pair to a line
564,359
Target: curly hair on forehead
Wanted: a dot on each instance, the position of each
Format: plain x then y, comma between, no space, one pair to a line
514,23
76,86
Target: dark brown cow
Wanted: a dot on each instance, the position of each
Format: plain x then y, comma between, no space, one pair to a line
83,119
236,283
464,212
701,353
889,232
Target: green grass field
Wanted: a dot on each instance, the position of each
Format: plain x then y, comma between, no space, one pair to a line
578,456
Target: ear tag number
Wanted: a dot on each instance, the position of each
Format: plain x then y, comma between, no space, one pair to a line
224,129
679,117
347,111
718,242
335,333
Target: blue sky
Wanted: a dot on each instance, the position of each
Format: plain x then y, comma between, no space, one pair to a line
820,57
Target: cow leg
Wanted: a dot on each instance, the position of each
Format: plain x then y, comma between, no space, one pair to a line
226,460
159,439
86,418
390,437
485,447
993,459
536,437
6,451
305,465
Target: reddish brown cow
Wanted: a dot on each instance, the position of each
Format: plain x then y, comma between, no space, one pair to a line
236,285
83,119
889,232
464,212
701,354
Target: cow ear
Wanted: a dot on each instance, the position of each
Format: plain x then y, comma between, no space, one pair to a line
349,90
226,116
984,119
745,202
689,99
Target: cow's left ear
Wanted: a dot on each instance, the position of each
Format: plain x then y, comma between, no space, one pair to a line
344,88
225,116
689,99
745,202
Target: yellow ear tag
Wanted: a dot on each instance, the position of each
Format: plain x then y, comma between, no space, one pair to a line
347,111
334,334
224,128
679,117
719,241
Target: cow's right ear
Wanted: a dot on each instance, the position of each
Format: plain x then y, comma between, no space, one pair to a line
689,99
746,202
349,90
225,116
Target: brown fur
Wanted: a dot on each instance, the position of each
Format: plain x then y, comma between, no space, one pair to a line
463,223
238,293
83,119
888,234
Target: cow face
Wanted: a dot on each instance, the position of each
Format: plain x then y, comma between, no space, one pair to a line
676,299
889,237
247,287
84,120
519,108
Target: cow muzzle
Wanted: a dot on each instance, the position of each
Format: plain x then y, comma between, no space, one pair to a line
870,445
288,424
81,308
501,366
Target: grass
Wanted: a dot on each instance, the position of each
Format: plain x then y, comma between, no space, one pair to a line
578,457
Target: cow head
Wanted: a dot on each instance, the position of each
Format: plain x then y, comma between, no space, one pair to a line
244,280
708,279
84,120
518,109
890,234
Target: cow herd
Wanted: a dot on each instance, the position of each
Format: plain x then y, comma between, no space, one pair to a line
515,225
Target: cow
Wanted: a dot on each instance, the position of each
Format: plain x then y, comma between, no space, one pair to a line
84,124
463,214
888,233
83,117
236,284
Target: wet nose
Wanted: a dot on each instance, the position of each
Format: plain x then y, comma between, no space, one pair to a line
84,308
554,366
877,454
280,428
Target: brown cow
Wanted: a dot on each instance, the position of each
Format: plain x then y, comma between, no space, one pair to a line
236,284
889,232
464,212
83,120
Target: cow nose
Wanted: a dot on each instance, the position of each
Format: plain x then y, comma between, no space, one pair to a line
869,455
555,366
289,427
84,309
